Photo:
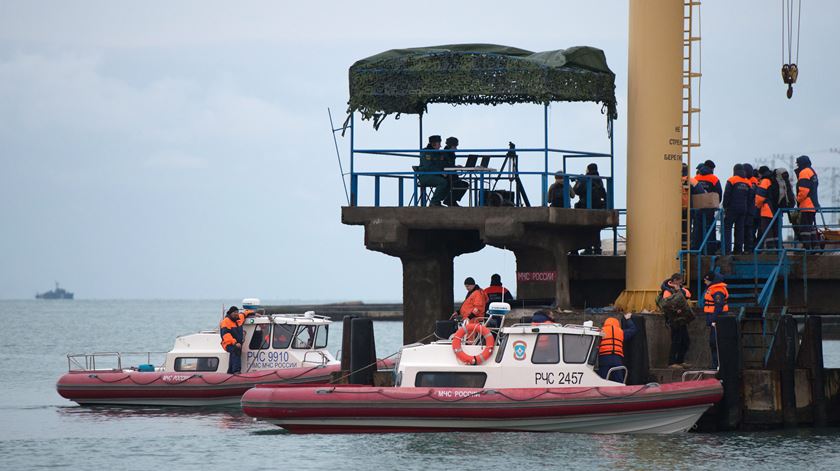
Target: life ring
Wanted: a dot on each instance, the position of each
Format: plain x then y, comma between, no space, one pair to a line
467,331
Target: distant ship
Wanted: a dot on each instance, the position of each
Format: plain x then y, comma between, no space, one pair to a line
57,293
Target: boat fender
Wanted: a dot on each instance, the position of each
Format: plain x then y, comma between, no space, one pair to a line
467,331
146,368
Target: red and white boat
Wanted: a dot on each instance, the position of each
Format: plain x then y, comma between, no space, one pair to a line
278,349
536,378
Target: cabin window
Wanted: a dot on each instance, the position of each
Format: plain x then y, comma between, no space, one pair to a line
547,349
502,341
576,348
450,379
305,337
593,355
196,364
282,337
261,338
321,336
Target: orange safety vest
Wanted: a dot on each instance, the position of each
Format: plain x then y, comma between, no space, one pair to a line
761,195
226,326
613,341
667,294
711,178
803,194
709,297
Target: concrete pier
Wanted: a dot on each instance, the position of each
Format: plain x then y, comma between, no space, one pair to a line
427,240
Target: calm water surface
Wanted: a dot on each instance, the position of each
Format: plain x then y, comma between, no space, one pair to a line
39,429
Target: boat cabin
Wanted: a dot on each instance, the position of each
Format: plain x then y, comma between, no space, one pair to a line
523,356
275,341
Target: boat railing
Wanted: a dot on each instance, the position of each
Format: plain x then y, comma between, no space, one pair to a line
617,368
591,328
321,357
87,361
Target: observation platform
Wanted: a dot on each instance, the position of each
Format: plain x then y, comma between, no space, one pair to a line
428,239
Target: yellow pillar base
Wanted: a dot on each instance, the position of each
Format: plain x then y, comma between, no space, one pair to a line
637,300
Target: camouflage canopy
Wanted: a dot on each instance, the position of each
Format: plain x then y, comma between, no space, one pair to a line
407,80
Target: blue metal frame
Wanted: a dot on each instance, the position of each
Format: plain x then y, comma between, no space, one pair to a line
417,196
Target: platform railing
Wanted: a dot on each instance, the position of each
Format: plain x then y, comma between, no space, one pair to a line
404,188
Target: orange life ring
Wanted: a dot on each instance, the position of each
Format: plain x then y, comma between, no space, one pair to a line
466,331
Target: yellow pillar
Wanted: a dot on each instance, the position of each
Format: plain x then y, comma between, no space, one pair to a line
654,152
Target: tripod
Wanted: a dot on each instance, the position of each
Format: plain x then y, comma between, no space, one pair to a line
512,163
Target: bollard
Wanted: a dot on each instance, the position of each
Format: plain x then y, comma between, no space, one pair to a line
811,357
729,372
362,352
636,353
345,343
787,372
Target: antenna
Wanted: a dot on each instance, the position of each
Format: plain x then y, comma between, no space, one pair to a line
333,130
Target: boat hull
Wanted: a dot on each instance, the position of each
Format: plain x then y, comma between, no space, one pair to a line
666,408
179,389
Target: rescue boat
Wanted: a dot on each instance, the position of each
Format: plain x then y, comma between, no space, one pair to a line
536,377
278,349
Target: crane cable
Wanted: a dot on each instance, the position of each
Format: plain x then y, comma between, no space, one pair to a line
790,69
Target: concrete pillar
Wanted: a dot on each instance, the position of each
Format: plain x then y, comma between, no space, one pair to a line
427,294
654,151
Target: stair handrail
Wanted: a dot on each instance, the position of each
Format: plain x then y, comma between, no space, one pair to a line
701,249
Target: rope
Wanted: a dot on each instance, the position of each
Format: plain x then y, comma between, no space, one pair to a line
376,362
798,29
484,392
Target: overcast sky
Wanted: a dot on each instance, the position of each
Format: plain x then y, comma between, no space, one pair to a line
182,149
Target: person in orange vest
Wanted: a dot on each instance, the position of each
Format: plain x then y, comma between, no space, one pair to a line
611,349
738,198
496,292
543,316
751,222
230,329
714,305
475,303
677,321
766,205
806,198
705,218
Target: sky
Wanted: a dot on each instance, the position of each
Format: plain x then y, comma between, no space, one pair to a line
182,149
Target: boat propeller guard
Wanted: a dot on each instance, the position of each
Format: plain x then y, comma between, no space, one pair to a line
468,331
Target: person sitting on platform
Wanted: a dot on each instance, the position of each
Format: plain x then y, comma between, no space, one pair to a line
434,162
457,186
555,192
593,181
611,349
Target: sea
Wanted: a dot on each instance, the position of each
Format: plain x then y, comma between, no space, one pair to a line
41,430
